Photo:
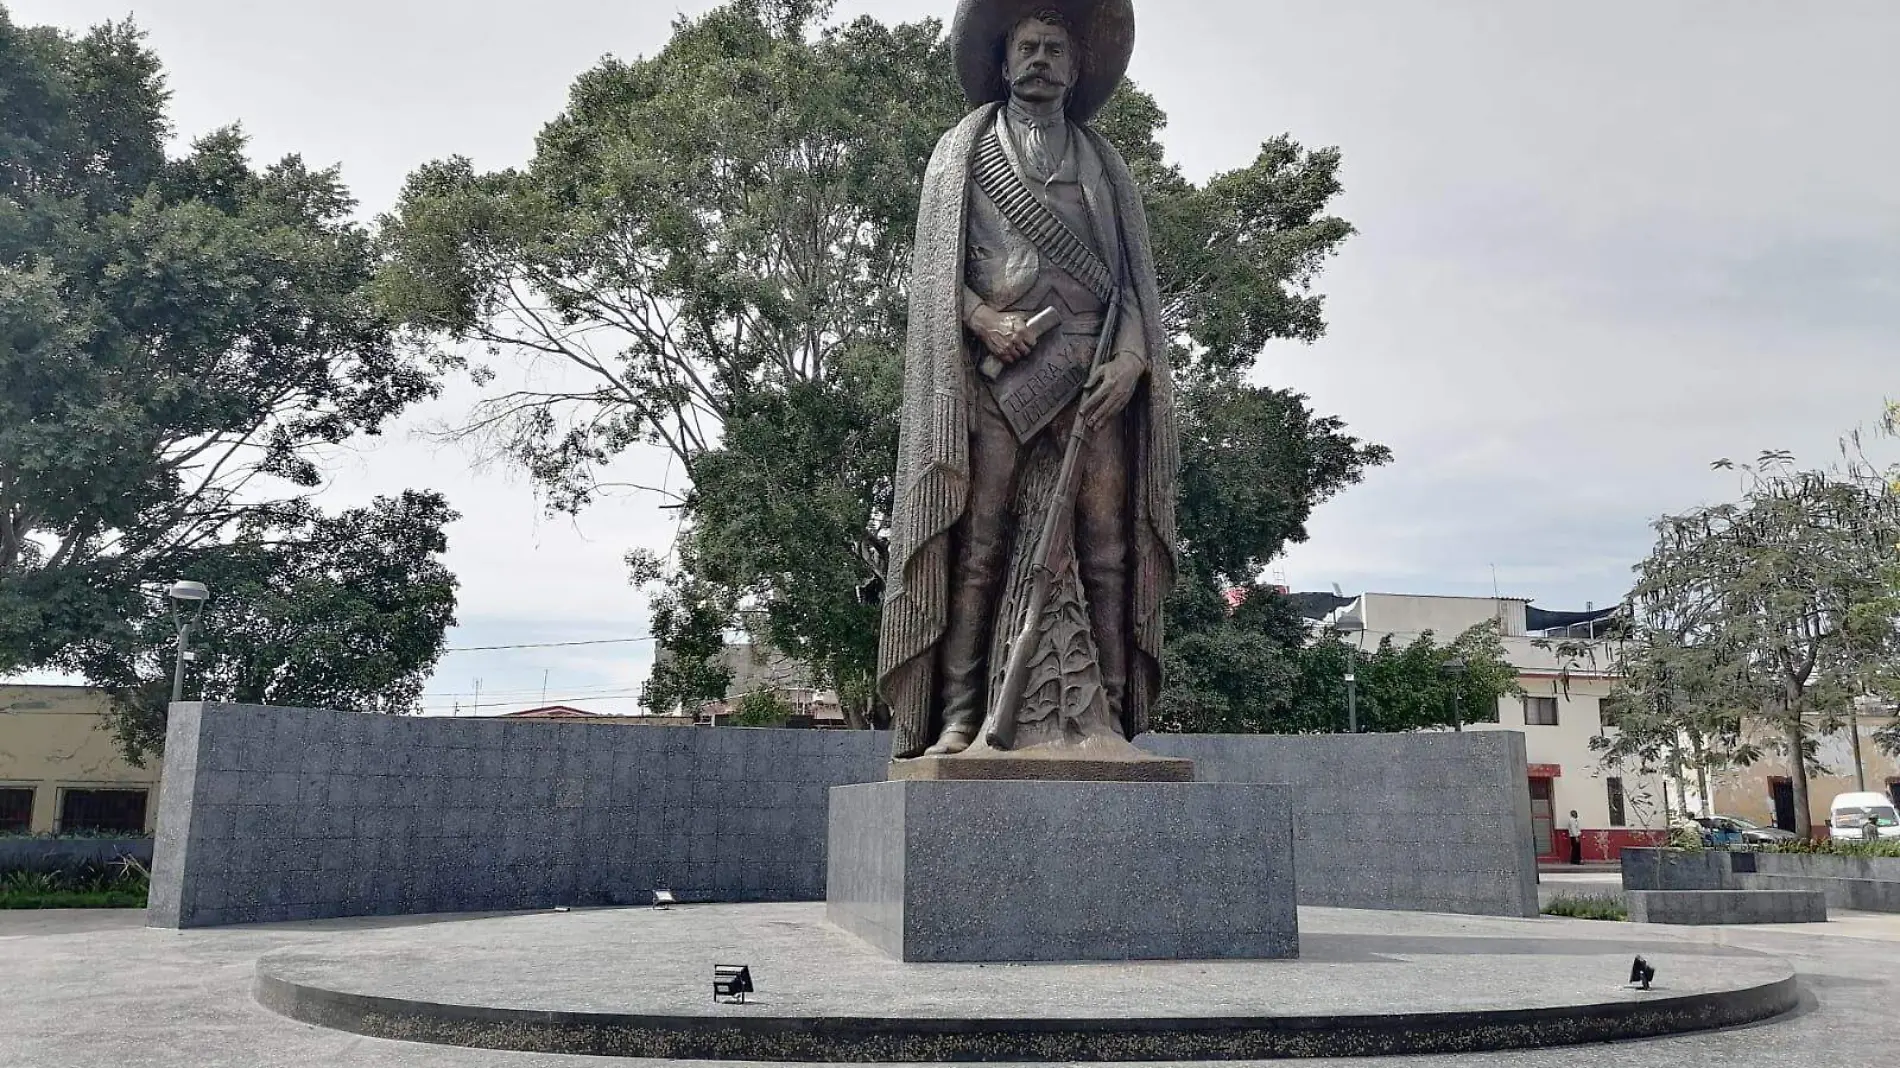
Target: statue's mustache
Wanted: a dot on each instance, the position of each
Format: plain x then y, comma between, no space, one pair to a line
1040,76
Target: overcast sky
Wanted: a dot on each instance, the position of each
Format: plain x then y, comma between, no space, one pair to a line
1600,246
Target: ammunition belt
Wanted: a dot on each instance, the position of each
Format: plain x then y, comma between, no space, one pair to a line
1032,218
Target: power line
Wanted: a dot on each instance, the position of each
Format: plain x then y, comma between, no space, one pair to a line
592,699
545,645
439,700
605,687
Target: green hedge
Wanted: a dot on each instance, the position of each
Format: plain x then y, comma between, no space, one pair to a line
1835,847
122,884
1588,907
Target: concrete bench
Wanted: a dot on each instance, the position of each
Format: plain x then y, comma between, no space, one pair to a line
1727,906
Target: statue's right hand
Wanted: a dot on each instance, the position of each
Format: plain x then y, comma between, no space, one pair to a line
1005,334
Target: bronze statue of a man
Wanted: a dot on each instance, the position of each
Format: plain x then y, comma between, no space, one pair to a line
1033,308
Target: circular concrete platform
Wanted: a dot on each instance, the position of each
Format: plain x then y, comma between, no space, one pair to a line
638,983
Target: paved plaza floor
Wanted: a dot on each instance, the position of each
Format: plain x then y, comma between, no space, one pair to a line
97,988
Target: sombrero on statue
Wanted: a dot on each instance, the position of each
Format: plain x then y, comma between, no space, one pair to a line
1104,30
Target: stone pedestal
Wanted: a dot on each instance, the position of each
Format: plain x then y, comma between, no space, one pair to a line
1064,871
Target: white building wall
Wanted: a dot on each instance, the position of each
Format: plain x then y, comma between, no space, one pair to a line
1581,783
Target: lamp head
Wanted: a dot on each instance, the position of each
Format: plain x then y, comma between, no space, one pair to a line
188,592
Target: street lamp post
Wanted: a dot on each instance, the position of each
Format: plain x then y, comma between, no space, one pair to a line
1343,627
186,597
1455,670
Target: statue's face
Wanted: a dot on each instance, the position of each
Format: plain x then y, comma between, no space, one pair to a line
1039,62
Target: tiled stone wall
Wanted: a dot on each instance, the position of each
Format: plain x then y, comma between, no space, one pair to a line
1435,822
287,814
1706,907
281,814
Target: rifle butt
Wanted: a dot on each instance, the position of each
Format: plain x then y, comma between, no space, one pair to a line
1002,729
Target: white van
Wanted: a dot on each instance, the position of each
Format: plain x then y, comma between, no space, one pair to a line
1863,816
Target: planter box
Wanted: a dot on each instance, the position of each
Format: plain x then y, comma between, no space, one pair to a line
1702,907
1866,884
1880,869
1675,869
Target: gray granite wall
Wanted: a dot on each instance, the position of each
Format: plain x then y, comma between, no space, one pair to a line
287,814
1708,907
1429,822
1675,869
1865,884
270,814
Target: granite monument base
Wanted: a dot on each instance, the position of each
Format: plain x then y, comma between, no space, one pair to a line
995,871
1106,761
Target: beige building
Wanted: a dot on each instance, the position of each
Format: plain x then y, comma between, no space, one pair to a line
1764,794
757,668
61,769
1560,712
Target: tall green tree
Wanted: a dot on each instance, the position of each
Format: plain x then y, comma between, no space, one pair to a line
1672,712
345,612
1260,671
180,339
708,255
1780,608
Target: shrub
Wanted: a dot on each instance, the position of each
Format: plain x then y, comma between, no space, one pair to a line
1838,847
1588,907
124,883
1685,834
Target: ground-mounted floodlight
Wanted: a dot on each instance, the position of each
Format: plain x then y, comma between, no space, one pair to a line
1642,972
731,982
663,898
188,605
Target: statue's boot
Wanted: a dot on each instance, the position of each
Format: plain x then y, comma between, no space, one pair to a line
956,737
965,664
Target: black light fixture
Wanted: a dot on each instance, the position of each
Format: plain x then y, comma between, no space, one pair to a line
663,898
731,982
1641,972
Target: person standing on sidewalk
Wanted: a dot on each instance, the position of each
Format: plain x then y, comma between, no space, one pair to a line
1574,828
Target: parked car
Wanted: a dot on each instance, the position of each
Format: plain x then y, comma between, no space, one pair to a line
1734,830
1868,815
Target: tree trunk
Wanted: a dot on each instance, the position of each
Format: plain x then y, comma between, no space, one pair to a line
1798,778
1701,754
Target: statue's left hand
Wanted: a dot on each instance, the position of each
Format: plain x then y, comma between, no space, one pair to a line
1111,388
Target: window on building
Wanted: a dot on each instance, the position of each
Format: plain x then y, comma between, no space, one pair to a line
1893,791
1540,711
16,809
102,810
1615,787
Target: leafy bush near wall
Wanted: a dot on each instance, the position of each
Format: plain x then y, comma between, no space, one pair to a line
1834,847
75,836
122,884
1588,907
1685,834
